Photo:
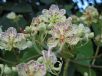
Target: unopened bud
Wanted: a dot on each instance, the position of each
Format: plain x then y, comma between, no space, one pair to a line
7,70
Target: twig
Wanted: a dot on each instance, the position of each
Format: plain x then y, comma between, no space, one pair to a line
7,61
90,74
31,57
97,50
65,68
17,57
2,70
93,66
87,58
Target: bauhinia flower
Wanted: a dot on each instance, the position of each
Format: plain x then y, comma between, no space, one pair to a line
66,32
32,68
46,20
49,59
62,33
54,13
90,15
11,39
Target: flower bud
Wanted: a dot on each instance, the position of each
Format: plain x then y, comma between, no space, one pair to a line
11,15
14,69
86,74
1,65
91,35
7,70
42,26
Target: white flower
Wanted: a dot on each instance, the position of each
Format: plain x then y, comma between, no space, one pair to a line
54,9
11,39
53,15
66,32
32,68
84,32
62,33
90,15
47,19
49,59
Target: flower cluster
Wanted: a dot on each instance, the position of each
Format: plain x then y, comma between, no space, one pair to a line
47,19
6,69
43,64
60,31
11,39
66,32
54,15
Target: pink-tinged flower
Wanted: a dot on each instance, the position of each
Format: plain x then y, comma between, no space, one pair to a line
63,32
54,9
11,39
53,15
46,20
49,59
32,68
66,32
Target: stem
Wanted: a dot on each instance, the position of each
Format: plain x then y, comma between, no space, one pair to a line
65,73
37,49
7,61
17,57
90,71
2,70
97,50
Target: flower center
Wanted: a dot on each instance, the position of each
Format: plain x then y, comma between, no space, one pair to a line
62,37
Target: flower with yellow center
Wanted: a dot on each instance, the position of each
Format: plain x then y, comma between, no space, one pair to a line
90,15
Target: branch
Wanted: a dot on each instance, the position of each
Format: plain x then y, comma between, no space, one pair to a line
7,61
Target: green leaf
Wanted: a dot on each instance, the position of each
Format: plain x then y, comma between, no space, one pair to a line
29,54
9,57
71,69
17,23
47,1
84,53
68,9
97,29
22,8
84,69
48,74
19,8
7,6
79,14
